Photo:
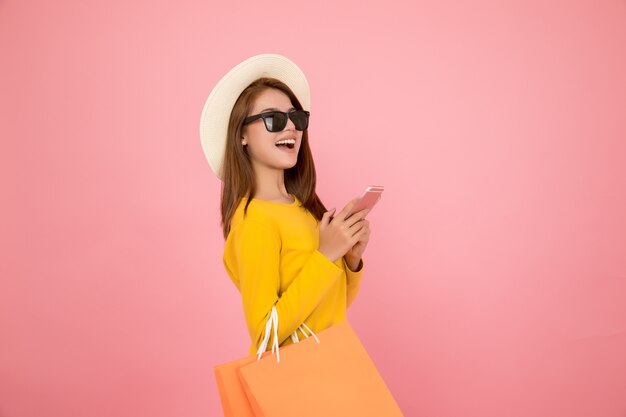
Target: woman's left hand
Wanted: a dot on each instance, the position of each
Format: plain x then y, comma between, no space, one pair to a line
354,255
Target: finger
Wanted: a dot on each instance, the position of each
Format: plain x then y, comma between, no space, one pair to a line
362,235
358,216
365,230
365,225
344,212
356,228
327,217
358,240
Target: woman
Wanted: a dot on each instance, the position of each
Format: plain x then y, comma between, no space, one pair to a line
283,249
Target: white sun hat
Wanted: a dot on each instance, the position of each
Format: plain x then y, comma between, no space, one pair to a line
219,104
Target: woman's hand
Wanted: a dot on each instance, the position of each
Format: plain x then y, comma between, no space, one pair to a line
340,236
354,255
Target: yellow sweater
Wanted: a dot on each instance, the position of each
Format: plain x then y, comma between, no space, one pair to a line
272,258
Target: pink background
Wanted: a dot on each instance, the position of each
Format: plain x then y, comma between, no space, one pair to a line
495,279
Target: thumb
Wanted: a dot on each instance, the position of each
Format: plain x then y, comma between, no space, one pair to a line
327,216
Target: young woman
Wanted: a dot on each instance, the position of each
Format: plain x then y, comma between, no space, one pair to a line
283,249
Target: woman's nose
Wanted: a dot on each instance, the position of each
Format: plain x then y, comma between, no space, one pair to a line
290,125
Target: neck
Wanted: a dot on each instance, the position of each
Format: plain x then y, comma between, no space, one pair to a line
270,184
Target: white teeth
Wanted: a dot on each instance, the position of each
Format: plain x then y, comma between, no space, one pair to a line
286,141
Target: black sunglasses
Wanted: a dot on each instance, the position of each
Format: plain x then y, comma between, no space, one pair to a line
275,121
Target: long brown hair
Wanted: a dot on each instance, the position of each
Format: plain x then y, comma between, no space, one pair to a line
238,175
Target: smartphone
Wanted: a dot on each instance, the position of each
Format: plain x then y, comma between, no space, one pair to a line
368,199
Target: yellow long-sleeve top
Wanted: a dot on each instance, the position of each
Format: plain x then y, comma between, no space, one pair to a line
272,257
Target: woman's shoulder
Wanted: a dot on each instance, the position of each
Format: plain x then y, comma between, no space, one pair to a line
256,212
269,213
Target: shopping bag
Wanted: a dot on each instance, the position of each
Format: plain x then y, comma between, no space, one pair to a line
330,374
234,400
232,395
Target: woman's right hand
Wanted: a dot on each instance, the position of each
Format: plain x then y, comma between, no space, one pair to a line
339,235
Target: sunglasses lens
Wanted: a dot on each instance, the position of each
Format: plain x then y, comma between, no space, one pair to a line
300,119
275,122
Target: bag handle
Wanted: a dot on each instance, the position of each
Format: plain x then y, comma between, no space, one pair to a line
272,321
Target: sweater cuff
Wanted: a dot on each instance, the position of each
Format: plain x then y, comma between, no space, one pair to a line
359,268
353,277
324,259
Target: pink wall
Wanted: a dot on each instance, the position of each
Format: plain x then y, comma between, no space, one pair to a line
496,272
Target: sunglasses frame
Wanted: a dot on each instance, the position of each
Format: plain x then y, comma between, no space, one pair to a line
266,114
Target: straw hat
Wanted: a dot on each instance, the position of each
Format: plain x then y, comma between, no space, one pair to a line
219,104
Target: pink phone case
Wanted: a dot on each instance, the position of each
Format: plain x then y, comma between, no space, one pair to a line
368,199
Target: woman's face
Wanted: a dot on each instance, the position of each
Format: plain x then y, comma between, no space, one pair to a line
261,144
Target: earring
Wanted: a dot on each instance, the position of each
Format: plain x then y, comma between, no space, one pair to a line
243,142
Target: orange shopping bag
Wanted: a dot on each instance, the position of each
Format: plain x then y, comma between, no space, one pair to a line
326,375
232,395
234,400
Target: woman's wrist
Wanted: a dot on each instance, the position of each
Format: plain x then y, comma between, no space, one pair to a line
353,263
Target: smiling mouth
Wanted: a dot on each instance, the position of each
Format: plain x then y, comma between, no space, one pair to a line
286,145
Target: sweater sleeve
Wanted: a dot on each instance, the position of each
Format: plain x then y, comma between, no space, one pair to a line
257,257
353,281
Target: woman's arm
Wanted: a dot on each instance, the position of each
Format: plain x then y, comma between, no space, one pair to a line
353,280
354,264
256,251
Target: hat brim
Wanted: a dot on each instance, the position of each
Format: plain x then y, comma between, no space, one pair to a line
219,104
